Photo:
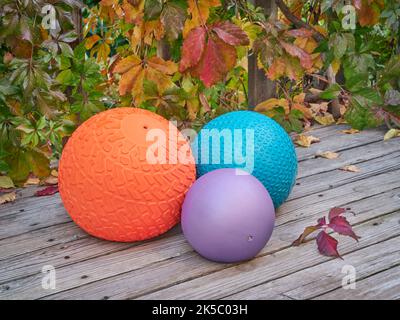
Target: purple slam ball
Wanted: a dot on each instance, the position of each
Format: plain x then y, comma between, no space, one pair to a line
228,215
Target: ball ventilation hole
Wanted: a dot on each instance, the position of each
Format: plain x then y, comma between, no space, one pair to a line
250,238
145,127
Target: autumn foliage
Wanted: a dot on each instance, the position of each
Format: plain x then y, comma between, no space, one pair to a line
187,60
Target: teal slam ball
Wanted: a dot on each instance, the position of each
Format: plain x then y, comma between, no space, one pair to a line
252,142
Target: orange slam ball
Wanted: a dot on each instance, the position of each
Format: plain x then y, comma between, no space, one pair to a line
109,187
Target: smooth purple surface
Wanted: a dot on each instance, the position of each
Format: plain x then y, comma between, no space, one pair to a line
228,217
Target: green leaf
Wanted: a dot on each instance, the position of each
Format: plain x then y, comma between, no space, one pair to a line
66,77
338,43
80,51
66,49
332,92
4,167
359,115
64,62
371,95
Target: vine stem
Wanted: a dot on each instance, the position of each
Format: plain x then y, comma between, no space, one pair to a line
298,22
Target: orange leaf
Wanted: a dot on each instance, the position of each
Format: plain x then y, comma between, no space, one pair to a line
167,67
127,63
128,79
91,41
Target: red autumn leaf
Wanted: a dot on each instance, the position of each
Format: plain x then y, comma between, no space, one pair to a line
230,33
322,221
47,191
217,60
300,33
209,55
335,212
193,48
327,245
305,58
341,226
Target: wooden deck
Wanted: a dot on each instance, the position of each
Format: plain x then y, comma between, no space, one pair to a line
35,232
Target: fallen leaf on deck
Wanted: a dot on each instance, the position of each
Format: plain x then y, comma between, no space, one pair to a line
54,173
32,181
392,133
321,107
350,168
306,141
8,197
47,191
341,226
350,131
341,121
50,180
328,155
6,182
325,120
327,245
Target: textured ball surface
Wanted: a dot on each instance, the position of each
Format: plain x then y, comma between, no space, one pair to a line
108,186
274,161
228,216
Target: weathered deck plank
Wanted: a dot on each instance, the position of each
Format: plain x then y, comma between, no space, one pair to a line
326,277
168,268
382,286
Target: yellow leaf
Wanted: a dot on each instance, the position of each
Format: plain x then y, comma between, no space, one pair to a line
392,133
91,41
199,10
350,131
167,67
306,141
325,120
350,168
271,104
328,155
103,50
54,173
6,182
299,98
8,197
336,66
193,106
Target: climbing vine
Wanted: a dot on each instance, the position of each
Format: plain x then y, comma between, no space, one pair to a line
332,61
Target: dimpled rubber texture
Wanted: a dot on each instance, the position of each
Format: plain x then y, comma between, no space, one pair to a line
110,189
275,161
